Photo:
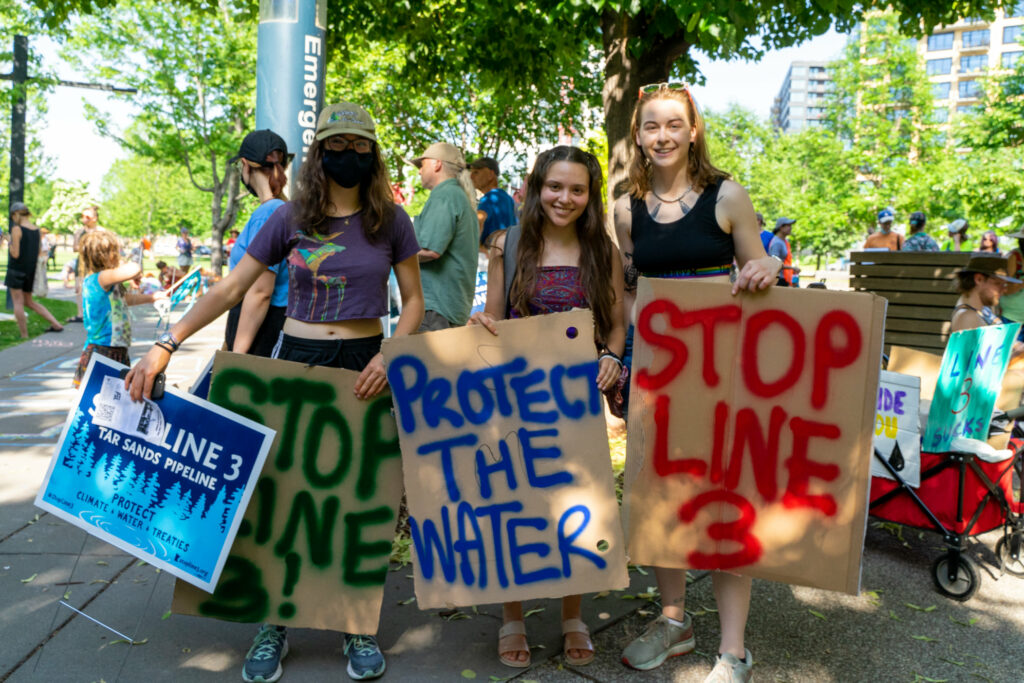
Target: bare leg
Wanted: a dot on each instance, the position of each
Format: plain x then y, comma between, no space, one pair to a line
41,310
571,610
78,294
672,584
18,298
732,594
513,611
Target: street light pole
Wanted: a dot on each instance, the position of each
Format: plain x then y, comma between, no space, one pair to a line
19,74
19,104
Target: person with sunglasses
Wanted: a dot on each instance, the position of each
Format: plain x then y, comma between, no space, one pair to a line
683,218
253,326
340,237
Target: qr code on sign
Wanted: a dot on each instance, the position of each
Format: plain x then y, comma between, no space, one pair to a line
105,411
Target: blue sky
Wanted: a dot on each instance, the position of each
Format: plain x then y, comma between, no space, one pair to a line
81,154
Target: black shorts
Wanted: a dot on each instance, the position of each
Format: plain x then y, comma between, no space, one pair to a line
19,279
267,334
348,354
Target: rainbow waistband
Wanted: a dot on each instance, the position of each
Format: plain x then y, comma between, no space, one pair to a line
710,271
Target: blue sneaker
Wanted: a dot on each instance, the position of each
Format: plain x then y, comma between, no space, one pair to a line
263,661
365,660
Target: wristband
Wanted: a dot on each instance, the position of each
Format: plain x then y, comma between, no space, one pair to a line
609,354
781,262
167,338
166,347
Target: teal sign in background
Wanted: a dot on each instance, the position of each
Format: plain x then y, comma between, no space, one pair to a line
968,385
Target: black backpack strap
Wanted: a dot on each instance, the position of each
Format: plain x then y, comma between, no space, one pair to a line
511,247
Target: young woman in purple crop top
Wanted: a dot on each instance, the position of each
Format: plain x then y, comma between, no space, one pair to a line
565,259
339,239
684,218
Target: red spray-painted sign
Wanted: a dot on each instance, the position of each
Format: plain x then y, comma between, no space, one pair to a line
750,430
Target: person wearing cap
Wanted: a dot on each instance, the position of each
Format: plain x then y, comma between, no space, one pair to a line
884,238
90,222
779,248
447,230
496,210
981,282
254,325
22,262
957,236
919,240
340,237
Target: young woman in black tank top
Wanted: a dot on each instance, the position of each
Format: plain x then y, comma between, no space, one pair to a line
22,261
684,218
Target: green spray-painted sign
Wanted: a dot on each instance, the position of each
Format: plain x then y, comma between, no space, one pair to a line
969,381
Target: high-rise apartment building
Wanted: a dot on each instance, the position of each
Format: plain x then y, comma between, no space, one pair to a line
801,100
956,55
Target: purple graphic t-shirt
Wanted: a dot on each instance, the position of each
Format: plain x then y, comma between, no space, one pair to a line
337,275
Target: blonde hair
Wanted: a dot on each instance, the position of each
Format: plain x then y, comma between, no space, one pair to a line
699,167
99,250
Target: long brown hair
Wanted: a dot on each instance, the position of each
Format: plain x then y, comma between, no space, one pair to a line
312,198
275,173
595,245
99,250
702,172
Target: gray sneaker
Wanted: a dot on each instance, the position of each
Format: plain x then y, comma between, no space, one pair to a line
263,661
730,669
660,641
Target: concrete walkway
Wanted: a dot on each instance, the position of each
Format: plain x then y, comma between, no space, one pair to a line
899,629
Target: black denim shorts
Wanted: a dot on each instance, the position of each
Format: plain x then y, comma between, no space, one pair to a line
348,354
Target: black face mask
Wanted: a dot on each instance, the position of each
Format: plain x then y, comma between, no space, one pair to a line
348,168
249,187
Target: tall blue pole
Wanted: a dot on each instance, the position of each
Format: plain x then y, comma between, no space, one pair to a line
290,71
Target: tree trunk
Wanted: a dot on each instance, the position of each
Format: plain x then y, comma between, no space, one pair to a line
624,74
223,217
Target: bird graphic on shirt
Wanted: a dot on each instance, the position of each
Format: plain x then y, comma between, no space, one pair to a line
312,259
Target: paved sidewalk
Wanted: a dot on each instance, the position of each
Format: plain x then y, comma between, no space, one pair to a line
899,629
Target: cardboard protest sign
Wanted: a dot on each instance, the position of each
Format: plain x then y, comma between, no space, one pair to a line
313,549
505,455
969,382
166,481
898,427
750,426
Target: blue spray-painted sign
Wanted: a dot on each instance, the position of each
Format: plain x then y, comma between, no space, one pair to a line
166,481
968,385
506,463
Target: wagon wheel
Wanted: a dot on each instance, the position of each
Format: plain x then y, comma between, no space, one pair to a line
966,582
1006,562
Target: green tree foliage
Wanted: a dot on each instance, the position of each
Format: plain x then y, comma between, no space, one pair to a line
194,71
881,106
998,121
142,196
65,207
15,19
807,176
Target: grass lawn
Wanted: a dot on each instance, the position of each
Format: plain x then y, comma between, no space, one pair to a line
9,335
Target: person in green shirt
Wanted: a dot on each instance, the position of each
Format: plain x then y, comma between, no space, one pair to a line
447,231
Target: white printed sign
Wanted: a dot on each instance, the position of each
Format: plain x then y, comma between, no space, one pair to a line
897,427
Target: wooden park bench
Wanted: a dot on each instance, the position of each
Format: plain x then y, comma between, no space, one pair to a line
921,288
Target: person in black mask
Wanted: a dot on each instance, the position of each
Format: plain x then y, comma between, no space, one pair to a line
339,239
253,326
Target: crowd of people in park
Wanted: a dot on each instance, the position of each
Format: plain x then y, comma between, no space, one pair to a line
308,282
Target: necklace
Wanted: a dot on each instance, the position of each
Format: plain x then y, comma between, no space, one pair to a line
672,201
